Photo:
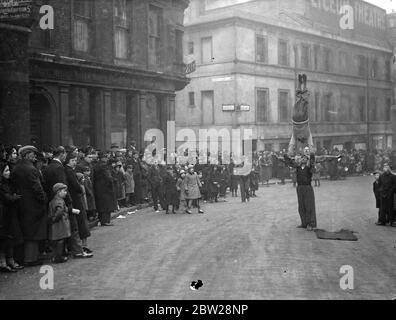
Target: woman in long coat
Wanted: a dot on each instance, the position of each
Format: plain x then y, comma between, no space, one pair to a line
192,185
104,192
32,205
171,193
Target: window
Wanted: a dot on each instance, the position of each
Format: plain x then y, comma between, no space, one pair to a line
190,47
207,50
155,27
283,55
179,46
373,109
82,25
343,62
283,105
374,69
327,60
207,101
191,99
362,108
262,105
388,107
121,32
387,70
305,56
261,49
317,107
327,107
268,147
45,38
316,57
361,64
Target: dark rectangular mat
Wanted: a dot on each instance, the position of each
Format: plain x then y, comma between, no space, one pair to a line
345,235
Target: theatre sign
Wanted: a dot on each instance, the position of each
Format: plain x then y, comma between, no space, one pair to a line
15,10
369,20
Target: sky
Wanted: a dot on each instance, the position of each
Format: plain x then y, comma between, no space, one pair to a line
389,5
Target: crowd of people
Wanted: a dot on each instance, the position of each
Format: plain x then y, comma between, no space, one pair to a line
48,197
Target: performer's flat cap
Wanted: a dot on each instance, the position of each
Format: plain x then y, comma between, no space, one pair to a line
59,186
26,149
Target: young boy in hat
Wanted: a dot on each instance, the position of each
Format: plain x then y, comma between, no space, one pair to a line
59,228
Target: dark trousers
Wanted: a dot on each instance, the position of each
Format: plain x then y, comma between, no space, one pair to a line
58,247
245,184
31,251
104,217
306,205
156,194
386,210
74,242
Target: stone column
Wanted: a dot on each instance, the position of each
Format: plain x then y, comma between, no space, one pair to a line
64,104
107,118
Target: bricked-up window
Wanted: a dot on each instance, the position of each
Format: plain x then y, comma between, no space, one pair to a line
121,30
388,107
155,27
262,105
191,98
327,59
283,103
207,50
83,12
305,56
261,49
362,66
362,108
283,54
327,107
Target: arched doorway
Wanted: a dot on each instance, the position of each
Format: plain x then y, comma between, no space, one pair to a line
42,121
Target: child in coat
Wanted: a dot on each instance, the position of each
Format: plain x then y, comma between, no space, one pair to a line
59,224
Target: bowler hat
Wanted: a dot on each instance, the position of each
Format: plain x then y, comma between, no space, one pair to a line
26,149
59,186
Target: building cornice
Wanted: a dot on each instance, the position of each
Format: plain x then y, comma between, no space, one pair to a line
236,17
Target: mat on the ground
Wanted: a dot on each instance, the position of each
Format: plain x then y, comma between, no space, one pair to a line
344,234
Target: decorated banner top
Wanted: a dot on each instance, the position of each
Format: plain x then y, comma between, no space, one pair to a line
15,9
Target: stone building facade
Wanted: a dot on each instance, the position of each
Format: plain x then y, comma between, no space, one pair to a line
105,74
249,53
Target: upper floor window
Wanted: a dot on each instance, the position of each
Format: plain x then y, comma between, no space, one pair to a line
327,107
388,109
361,65
362,108
121,31
343,61
374,69
283,54
305,56
262,105
261,49
83,13
283,105
190,47
316,56
207,50
327,59
155,26
387,69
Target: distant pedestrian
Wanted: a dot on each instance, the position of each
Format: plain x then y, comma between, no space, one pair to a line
387,188
171,194
192,185
377,194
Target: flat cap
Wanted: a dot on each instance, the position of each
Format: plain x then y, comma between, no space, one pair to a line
26,149
59,186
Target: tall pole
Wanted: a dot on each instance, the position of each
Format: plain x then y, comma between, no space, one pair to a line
367,106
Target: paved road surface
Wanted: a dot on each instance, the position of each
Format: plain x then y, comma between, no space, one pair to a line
239,251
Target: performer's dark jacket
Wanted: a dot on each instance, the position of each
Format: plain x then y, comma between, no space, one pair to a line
304,176
377,194
387,185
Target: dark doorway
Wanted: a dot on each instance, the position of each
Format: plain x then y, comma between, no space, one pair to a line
41,121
